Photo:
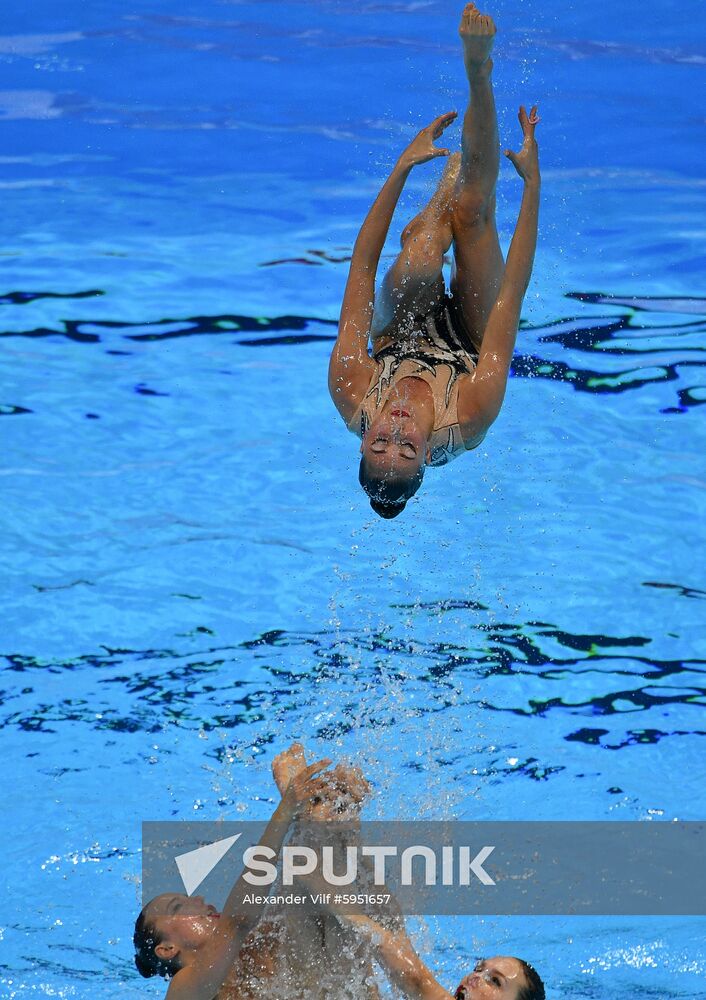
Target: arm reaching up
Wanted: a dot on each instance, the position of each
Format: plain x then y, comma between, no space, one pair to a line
202,979
481,396
350,367
400,962
520,257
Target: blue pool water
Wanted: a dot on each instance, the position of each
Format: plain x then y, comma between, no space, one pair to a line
191,575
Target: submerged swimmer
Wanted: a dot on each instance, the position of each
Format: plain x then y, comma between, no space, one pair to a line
238,955
437,375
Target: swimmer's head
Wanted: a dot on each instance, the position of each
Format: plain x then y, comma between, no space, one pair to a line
394,454
169,931
501,978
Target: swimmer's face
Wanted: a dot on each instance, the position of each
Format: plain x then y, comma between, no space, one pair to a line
181,921
498,978
394,445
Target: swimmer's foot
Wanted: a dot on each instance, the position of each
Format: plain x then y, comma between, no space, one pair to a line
341,794
477,33
287,766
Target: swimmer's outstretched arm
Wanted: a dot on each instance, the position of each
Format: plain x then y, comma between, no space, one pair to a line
203,979
400,962
482,396
350,368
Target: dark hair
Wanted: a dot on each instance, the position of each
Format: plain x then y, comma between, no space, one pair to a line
388,494
388,510
145,939
534,990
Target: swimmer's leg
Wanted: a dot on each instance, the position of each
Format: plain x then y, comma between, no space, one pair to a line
414,283
478,261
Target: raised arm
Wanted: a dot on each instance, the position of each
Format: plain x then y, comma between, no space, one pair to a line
340,794
203,979
350,367
400,962
481,397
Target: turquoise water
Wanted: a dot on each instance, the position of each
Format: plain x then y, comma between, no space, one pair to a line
192,576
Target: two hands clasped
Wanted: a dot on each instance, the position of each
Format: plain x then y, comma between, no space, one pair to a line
323,794
526,162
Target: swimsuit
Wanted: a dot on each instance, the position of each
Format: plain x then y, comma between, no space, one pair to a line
438,351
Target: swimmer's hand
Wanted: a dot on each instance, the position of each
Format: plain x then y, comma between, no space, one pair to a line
286,764
338,794
302,787
341,793
422,148
526,162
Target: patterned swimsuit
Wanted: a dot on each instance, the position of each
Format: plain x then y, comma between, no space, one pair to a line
437,351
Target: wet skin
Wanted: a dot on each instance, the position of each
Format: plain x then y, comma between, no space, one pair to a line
185,922
497,978
395,444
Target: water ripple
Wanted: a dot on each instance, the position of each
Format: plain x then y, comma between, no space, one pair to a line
525,670
627,351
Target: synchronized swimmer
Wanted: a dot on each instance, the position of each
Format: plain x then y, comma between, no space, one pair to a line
429,390
302,953
435,379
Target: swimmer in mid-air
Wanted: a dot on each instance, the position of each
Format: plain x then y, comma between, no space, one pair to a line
437,375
